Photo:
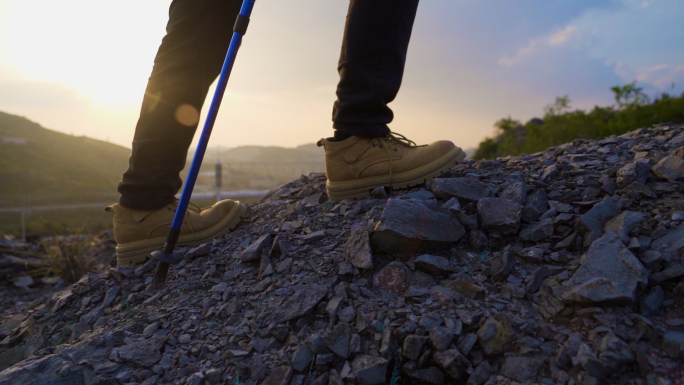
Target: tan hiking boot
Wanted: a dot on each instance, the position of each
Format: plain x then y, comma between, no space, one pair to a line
355,166
139,232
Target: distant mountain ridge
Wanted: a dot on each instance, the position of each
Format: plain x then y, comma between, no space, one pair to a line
263,154
39,166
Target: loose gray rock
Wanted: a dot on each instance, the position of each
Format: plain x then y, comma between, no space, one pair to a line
614,350
392,278
409,224
550,172
199,251
357,250
536,205
517,192
477,239
253,252
429,375
453,363
467,288
338,340
499,215
651,303
300,302
670,167
522,369
280,376
466,344
468,221
633,172
609,274
674,270
379,193
413,346
671,243
673,344
539,276
433,264
47,370
592,223
141,353
538,231
301,359
314,236
369,370
452,205
625,223
495,335
463,188
441,337
503,266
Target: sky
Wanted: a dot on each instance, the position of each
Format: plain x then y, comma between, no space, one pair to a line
81,66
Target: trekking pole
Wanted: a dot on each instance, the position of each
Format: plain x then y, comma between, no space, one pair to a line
166,256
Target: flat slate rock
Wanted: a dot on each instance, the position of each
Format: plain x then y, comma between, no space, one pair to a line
369,370
357,250
609,274
253,252
499,214
670,167
671,243
433,264
464,188
409,225
299,303
141,353
624,223
592,223
44,370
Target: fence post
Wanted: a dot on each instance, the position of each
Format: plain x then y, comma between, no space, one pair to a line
23,225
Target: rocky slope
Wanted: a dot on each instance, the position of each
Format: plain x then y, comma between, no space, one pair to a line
565,266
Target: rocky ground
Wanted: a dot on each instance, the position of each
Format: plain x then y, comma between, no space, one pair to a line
561,267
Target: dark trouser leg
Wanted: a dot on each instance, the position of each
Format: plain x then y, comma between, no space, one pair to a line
376,38
189,59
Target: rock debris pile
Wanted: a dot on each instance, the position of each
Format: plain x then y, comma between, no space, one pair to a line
561,267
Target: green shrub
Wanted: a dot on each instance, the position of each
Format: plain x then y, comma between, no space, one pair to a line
562,125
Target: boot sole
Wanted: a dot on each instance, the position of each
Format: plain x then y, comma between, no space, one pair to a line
361,188
135,253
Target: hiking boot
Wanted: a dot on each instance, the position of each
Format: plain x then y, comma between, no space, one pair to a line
355,166
140,232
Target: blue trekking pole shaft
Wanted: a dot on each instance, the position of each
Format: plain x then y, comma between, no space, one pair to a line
235,42
165,256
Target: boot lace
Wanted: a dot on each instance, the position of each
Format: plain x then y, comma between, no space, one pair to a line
392,141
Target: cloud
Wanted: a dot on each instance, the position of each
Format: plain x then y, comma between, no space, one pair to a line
556,39
660,77
563,35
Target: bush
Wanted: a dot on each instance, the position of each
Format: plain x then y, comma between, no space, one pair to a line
561,125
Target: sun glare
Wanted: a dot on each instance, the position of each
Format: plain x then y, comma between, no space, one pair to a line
103,49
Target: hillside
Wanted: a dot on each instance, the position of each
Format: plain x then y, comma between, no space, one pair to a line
264,154
561,267
41,167
257,167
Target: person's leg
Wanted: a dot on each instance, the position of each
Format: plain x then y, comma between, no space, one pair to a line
364,154
371,65
188,61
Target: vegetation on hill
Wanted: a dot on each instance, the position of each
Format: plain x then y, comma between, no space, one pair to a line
561,125
44,167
